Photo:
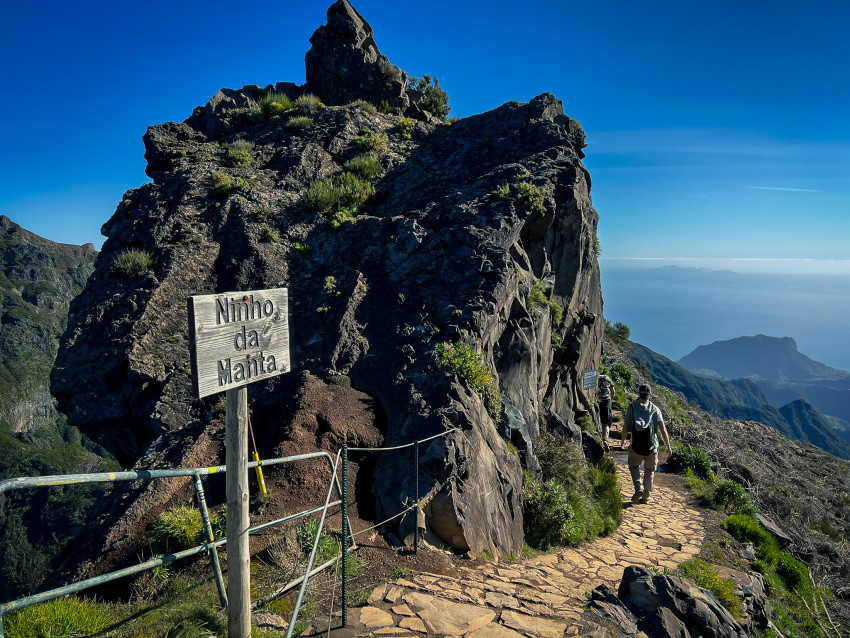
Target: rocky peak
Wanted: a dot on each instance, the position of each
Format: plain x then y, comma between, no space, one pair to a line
345,64
450,229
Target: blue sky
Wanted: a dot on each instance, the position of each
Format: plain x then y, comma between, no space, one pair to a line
715,129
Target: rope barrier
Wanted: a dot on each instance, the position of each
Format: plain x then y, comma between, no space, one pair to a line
376,525
401,447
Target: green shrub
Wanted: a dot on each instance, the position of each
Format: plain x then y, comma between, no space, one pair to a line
299,123
503,192
460,359
703,489
346,190
537,297
690,457
562,460
240,153
366,166
367,107
385,107
178,529
531,198
354,568
132,263
405,125
620,375
341,216
306,532
606,493
732,497
401,572
594,492
224,184
272,236
746,528
309,104
276,103
794,574
58,617
597,248
369,140
707,577
353,189
551,519
558,512
586,423
434,99
618,332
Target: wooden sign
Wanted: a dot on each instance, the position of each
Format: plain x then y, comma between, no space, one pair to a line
237,338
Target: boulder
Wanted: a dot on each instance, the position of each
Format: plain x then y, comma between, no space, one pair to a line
672,606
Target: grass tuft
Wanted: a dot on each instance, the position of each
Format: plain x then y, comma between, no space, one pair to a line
707,577
365,166
460,359
132,263
299,123
369,140
276,103
240,153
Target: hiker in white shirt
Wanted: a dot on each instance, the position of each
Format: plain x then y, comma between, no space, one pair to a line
644,422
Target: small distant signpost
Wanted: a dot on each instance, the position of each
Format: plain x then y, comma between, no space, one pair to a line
237,338
589,379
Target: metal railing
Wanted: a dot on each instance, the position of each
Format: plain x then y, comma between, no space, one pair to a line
210,546
415,506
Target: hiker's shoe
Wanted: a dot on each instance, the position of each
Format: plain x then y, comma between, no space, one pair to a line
637,496
646,497
605,446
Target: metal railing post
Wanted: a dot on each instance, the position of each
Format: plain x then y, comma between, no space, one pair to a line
297,607
208,531
416,497
344,534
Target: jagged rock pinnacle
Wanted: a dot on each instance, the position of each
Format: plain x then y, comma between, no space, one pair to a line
345,64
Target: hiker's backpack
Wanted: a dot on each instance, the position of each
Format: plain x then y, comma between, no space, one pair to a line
642,439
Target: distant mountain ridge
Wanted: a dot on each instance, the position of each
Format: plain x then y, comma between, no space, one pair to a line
782,372
759,357
742,399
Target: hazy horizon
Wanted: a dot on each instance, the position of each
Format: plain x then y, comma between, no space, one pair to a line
734,264
674,310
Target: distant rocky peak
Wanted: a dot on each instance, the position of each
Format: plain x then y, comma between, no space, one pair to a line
345,64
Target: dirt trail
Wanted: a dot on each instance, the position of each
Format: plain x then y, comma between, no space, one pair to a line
544,596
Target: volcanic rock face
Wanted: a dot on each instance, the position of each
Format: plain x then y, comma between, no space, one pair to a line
465,220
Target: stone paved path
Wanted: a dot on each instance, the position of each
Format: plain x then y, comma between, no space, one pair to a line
542,597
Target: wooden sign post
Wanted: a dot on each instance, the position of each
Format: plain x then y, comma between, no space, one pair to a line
238,338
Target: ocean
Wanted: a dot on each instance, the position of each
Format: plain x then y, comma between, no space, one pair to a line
672,309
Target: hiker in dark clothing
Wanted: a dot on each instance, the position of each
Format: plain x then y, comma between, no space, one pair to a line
603,400
644,421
